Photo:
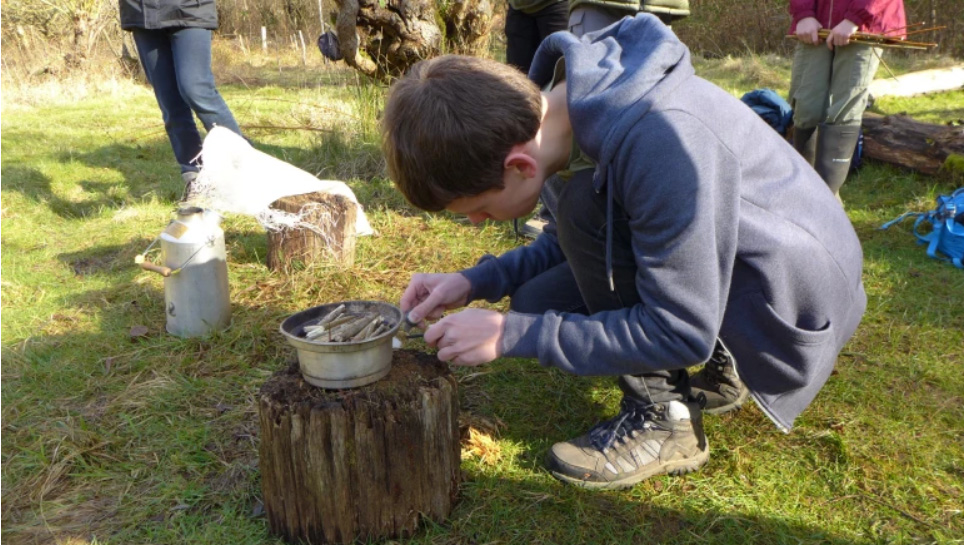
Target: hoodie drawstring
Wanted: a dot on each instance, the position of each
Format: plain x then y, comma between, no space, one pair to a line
609,233
601,173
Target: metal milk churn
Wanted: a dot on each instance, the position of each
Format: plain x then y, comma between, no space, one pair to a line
195,271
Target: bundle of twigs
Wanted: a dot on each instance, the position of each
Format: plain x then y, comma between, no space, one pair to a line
884,40
340,326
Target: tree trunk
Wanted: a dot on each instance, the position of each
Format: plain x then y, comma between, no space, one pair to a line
384,38
923,147
383,41
468,25
366,463
328,233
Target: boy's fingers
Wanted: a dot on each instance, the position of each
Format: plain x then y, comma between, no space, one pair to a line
431,307
447,354
434,333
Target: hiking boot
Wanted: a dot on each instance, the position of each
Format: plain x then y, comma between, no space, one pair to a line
189,178
643,440
719,382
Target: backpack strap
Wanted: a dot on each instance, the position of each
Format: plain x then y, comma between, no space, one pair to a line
900,219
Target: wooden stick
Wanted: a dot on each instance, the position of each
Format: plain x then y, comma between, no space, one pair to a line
889,43
332,315
934,29
898,29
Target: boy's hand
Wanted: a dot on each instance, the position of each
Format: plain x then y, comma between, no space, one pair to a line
429,295
840,35
471,337
807,30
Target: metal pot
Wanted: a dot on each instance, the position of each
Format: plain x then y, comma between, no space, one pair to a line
343,365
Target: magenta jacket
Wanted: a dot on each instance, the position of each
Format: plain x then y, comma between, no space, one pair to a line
871,16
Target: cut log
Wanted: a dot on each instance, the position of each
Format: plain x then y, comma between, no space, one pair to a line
362,464
327,232
900,140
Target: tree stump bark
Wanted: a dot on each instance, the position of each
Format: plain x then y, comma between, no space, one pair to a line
384,38
366,463
326,233
900,140
468,25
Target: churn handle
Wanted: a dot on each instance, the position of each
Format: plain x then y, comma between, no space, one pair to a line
163,271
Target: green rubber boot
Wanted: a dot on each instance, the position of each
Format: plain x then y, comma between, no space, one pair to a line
835,149
805,142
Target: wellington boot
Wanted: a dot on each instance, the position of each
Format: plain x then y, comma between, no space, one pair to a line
805,142
835,149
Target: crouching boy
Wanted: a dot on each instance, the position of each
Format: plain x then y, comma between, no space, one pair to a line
686,232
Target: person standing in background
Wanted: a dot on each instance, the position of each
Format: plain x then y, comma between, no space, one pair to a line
830,77
527,23
173,39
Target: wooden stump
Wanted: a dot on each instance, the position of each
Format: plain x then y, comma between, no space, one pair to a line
900,140
328,236
366,463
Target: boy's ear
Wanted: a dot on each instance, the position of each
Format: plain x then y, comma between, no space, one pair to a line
520,160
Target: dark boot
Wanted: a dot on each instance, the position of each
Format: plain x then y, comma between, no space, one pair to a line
640,442
805,142
719,382
835,149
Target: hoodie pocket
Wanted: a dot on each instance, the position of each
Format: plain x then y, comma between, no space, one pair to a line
774,355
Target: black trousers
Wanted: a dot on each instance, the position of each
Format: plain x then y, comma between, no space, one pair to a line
525,31
580,284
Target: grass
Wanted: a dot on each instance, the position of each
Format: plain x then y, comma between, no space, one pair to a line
109,438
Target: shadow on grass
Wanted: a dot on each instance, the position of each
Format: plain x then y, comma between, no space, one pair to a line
331,157
540,511
36,186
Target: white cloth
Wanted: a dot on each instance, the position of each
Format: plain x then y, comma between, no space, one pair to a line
237,178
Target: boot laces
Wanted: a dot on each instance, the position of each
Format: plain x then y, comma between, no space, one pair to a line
633,415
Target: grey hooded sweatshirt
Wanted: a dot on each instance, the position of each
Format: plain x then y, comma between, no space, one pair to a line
735,235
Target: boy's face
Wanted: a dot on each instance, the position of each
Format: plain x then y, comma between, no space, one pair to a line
516,199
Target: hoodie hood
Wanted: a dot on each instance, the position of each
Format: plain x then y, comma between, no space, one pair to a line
614,77
623,70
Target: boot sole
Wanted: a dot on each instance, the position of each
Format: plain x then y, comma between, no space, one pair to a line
735,405
677,467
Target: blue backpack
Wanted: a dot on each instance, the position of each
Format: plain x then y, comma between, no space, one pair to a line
946,236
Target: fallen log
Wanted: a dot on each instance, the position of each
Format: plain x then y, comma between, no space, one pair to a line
924,147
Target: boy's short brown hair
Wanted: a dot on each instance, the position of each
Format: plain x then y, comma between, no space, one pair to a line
449,124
